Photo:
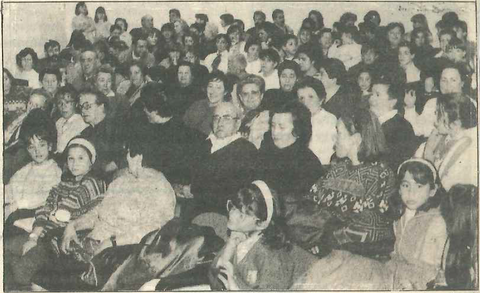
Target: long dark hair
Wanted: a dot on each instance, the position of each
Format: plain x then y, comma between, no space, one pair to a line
250,200
460,211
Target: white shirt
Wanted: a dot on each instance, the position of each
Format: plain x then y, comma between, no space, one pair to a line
412,72
68,129
350,54
272,81
219,143
254,67
387,116
223,66
425,123
324,133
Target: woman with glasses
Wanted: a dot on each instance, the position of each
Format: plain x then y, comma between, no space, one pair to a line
70,123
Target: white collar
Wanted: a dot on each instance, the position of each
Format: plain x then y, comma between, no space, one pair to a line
387,116
219,143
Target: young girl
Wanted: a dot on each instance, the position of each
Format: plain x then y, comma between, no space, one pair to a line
84,23
102,24
29,187
252,49
256,256
421,231
364,82
269,62
76,194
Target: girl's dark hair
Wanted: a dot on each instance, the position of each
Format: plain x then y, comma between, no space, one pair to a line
67,89
289,64
411,47
250,199
415,33
100,10
460,211
219,76
373,144
393,25
319,16
226,38
38,123
302,124
252,41
124,22
423,175
457,107
24,53
154,99
77,7
335,69
313,83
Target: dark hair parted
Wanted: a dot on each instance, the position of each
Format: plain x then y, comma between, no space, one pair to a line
301,116
289,64
154,99
68,89
100,9
364,122
77,7
38,123
313,83
457,107
335,69
52,71
460,211
250,200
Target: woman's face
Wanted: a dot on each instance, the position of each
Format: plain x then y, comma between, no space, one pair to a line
178,27
288,78
344,141
136,76
222,45
267,65
239,220
326,40
253,52
282,130
39,149
185,77
78,162
7,83
305,62
313,17
420,39
66,105
234,38
364,81
395,37
429,84
50,83
104,82
405,57
417,24
122,25
414,194
83,9
100,15
190,57
27,63
450,81
308,96
251,96
189,41
216,91
263,35
304,36
152,39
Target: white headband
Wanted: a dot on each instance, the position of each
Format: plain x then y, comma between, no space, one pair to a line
423,161
267,195
88,145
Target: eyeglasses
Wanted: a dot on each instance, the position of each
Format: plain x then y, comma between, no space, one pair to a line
86,106
226,118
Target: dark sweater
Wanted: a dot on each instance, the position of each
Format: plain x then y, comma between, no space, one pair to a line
401,140
291,170
341,103
274,98
217,176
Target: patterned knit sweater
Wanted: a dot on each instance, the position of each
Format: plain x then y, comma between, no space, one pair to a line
75,197
358,197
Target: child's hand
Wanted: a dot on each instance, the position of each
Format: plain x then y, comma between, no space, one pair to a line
226,268
410,99
69,235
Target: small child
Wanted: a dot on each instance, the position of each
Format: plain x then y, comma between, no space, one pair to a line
350,53
252,48
29,187
289,47
304,36
270,59
256,255
421,231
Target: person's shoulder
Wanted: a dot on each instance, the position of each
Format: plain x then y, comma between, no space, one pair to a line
97,184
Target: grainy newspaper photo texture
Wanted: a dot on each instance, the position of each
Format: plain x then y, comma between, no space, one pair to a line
214,146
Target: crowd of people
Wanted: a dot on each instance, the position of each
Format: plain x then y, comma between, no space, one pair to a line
328,158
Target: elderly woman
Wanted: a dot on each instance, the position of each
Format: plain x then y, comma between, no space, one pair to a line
288,74
27,61
288,165
218,61
200,114
362,186
184,92
452,146
249,92
311,93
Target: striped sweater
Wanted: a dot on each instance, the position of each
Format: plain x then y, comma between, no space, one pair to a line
74,197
